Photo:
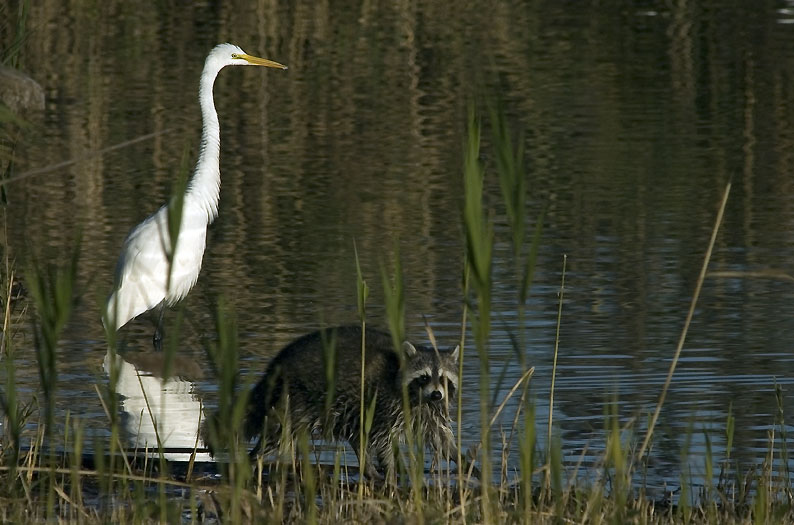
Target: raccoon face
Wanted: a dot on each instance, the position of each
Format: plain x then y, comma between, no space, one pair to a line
430,376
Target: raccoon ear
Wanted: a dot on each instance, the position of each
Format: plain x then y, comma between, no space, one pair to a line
409,349
455,353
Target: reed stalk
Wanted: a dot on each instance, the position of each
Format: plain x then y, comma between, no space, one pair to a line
362,293
394,298
556,353
687,322
479,247
462,493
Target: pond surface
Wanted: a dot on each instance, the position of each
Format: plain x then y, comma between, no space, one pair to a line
633,117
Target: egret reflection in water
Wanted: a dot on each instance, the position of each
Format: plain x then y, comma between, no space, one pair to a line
160,413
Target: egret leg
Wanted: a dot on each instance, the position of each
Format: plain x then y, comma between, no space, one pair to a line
159,331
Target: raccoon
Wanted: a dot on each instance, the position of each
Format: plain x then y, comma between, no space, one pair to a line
297,390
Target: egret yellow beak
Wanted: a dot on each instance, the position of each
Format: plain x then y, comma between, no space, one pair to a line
256,61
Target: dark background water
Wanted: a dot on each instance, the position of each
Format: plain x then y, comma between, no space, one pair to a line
634,116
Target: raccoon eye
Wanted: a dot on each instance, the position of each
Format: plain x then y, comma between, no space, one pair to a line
425,379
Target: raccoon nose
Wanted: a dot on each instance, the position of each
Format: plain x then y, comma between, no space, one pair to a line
436,395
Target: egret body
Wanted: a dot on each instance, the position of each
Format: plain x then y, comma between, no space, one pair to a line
151,270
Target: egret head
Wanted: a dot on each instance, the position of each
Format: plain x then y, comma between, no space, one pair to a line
231,55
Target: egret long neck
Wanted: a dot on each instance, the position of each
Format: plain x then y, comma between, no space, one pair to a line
204,187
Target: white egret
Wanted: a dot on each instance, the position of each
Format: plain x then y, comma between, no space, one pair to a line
148,274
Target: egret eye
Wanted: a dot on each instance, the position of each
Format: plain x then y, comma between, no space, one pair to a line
235,55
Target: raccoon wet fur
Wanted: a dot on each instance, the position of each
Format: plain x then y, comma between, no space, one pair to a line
300,391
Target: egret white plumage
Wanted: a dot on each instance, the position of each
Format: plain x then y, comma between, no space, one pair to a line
151,270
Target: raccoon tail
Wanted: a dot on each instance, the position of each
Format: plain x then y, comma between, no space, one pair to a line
208,432
264,396
218,431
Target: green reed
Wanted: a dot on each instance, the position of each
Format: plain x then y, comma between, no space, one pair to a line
176,204
362,294
510,166
308,480
225,433
479,247
13,34
15,23
462,493
780,421
52,289
14,414
394,299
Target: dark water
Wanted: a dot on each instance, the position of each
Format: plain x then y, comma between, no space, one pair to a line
633,116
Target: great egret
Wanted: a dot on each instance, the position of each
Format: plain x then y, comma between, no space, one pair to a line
148,274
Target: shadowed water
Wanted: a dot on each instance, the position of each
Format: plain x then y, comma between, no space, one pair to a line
633,119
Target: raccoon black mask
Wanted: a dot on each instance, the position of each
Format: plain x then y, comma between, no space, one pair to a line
430,376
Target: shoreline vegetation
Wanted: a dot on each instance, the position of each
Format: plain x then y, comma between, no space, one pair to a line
90,478
51,468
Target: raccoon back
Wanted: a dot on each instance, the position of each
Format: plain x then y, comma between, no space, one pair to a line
302,368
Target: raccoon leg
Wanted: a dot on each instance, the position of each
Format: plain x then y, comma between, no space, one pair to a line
467,465
384,448
386,459
370,471
265,445
263,435
439,437
444,445
442,442
257,448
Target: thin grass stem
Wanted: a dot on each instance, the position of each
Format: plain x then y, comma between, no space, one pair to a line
687,322
556,353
